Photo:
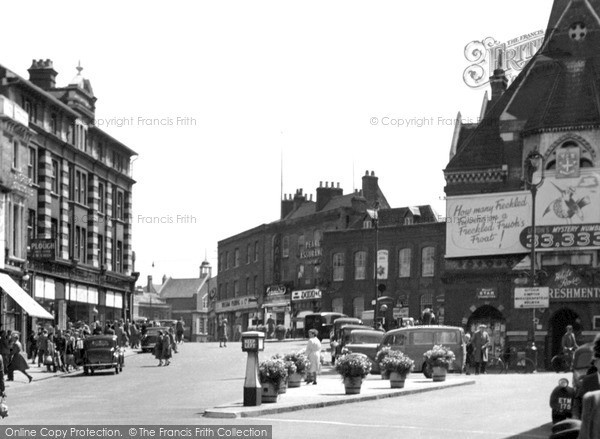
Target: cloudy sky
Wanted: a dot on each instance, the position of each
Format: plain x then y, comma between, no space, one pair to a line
329,88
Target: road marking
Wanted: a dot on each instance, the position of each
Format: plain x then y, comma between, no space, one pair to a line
407,427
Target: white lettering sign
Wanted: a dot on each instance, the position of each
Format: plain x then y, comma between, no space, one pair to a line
535,297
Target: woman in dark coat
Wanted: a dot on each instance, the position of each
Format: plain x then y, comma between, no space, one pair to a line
158,348
166,349
17,360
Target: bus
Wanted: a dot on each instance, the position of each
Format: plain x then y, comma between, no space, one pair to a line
322,322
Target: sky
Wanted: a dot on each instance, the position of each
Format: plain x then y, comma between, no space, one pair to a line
229,103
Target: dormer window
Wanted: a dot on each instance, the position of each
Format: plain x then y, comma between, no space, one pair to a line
408,220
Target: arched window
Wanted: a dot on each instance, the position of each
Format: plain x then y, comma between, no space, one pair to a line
427,261
337,305
338,266
404,257
285,247
360,265
426,301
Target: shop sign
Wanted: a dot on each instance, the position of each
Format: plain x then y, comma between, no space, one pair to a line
43,249
276,290
533,297
400,313
306,295
312,249
486,293
235,304
567,286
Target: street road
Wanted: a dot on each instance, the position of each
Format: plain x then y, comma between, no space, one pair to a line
203,376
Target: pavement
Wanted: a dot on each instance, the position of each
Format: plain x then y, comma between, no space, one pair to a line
330,391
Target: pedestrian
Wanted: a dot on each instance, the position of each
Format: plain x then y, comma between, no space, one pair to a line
469,354
135,336
158,348
42,343
313,352
5,349
223,334
167,346
32,346
179,326
172,340
379,327
568,342
60,348
590,382
481,343
17,360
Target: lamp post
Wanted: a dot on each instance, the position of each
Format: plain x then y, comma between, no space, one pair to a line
534,165
375,216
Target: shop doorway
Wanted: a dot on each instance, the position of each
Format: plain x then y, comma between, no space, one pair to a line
495,322
558,326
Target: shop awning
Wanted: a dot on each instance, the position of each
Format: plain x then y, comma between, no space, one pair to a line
24,300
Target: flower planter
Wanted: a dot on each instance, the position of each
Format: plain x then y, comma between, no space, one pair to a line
294,380
385,375
269,392
283,385
352,385
397,380
439,373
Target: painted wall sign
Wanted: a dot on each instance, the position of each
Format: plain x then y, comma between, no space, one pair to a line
43,249
382,264
532,297
489,224
567,163
276,290
235,304
486,293
567,286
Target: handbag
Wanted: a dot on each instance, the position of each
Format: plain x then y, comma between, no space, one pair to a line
48,360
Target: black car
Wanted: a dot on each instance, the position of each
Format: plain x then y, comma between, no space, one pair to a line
151,337
102,352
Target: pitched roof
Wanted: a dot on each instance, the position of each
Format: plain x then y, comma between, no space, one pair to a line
181,288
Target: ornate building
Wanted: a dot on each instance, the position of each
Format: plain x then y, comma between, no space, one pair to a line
66,187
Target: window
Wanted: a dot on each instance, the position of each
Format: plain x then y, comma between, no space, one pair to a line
80,187
15,163
119,258
404,257
100,151
300,244
31,232
426,301
338,266
236,257
255,286
248,291
338,305
285,247
227,260
248,254
54,177
101,250
32,165
53,124
236,288
358,306
221,262
408,220
53,228
367,224
427,262
256,251
16,229
119,205
101,197
360,264
570,259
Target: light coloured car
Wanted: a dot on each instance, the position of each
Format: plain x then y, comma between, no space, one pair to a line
365,341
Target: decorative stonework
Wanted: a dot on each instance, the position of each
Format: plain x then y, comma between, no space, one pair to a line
494,175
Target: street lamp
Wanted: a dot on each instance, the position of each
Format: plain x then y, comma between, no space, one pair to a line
534,175
375,218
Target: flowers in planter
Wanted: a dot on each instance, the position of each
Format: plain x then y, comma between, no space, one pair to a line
353,365
272,371
397,362
290,366
439,356
299,359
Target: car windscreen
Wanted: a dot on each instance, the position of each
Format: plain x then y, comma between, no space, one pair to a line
446,337
366,337
422,338
100,343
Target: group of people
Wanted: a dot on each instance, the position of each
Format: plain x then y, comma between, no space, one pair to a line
166,345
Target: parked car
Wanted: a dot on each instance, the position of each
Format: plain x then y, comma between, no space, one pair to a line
341,338
102,352
322,322
150,338
414,341
582,362
365,341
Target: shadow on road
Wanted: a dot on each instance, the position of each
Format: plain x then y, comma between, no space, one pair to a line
543,431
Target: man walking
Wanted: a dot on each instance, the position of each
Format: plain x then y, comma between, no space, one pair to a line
179,330
481,342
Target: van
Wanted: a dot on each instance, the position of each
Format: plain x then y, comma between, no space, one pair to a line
414,341
322,322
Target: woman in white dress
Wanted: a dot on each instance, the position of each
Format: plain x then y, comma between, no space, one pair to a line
313,352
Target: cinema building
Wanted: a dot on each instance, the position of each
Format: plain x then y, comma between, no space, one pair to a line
542,131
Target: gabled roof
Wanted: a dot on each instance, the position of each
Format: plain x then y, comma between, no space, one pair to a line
181,288
148,298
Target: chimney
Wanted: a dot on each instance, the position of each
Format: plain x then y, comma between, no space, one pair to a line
42,74
325,194
164,279
287,205
370,187
149,286
359,203
498,82
299,198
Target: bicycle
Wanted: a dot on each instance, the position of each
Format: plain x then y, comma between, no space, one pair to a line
515,361
563,361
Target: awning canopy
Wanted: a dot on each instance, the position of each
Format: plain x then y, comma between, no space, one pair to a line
24,300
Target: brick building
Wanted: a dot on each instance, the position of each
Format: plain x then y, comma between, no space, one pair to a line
550,109
274,270
66,187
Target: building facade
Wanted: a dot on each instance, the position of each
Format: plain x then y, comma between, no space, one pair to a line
551,112
66,202
273,272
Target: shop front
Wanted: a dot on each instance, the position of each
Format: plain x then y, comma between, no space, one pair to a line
276,308
304,302
239,313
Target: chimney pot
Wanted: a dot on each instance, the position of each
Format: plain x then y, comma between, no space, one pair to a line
320,184
372,173
338,185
